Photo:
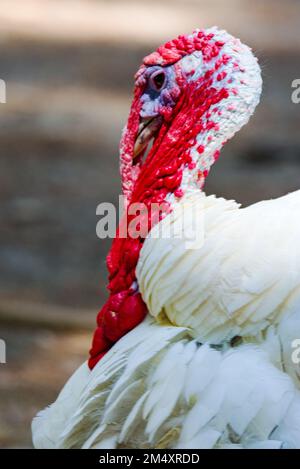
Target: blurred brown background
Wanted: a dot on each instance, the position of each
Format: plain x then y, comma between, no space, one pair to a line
68,66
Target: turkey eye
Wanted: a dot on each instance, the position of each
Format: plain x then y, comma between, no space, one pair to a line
157,80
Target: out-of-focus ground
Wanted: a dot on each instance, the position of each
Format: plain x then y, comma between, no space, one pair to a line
68,66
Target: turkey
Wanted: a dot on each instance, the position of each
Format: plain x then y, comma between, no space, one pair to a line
195,346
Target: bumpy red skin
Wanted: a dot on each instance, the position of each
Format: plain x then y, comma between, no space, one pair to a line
152,181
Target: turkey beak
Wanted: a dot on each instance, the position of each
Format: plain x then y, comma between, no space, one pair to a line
146,131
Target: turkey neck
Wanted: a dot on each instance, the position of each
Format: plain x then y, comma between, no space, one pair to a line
177,160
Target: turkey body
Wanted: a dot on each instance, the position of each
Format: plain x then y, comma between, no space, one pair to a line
211,365
242,275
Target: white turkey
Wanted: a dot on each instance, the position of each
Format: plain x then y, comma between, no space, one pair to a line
194,347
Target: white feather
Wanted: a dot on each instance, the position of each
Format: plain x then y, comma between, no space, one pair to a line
187,396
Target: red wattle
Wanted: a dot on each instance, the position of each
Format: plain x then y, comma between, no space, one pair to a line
100,345
152,181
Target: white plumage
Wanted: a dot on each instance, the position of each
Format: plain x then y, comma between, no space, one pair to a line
157,388
211,365
244,276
